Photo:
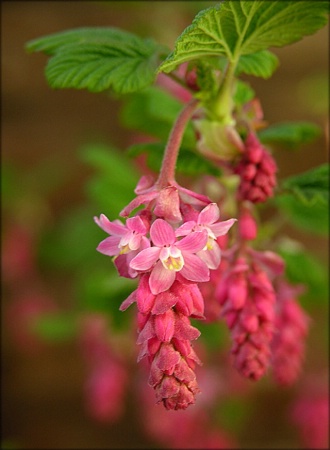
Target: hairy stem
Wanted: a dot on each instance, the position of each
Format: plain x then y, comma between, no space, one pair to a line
167,171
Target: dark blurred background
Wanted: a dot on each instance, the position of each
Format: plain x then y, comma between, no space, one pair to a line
41,132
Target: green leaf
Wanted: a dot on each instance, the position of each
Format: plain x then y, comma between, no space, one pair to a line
303,268
53,43
261,64
153,112
189,162
99,59
311,218
290,134
71,243
310,187
100,289
243,92
100,67
55,327
115,174
235,28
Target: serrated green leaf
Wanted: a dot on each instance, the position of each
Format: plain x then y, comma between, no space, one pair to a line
290,134
310,187
53,43
98,67
261,64
235,28
153,112
188,163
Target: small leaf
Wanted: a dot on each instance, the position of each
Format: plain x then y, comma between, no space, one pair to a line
310,187
261,64
235,28
243,92
290,134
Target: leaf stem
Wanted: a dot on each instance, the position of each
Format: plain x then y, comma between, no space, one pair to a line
167,171
224,101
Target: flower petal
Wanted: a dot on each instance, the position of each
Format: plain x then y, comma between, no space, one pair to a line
194,242
211,256
185,228
161,233
194,268
161,279
142,199
145,259
121,263
136,224
116,227
221,228
209,214
135,241
192,198
128,302
109,246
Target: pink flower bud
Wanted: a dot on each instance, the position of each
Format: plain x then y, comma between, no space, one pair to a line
237,291
144,298
164,326
247,225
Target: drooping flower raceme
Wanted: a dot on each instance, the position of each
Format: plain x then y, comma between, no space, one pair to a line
171,246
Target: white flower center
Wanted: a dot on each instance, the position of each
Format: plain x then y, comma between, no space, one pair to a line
171,258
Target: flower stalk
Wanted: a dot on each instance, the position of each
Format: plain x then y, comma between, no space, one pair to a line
167,172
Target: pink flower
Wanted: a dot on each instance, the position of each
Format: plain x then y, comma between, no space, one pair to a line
207,220
167,256
105,391
124,242
291,328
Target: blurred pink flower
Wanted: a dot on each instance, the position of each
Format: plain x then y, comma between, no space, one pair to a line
291,328
105,391
310,414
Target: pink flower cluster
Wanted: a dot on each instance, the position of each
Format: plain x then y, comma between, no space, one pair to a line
247,298
291,327
171,246
257,170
